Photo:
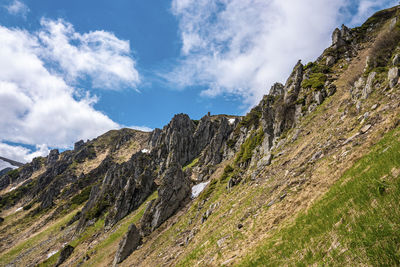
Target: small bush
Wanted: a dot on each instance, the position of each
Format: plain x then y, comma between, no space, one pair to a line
316,81
246,150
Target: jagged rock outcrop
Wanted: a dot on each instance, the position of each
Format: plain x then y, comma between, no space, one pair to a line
64,254
53,156
5,171
124,187
175,188
128,244
341,37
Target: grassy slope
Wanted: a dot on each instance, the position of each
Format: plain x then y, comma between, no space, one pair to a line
356,222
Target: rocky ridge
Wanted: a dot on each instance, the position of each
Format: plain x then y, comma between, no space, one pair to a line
227,152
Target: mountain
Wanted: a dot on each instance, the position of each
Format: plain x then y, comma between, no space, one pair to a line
7,165
310,176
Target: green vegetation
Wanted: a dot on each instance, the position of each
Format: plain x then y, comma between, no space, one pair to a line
316,81
13,174
191,164
82,197
100,207
52,230
246,150
209,190
251,119
11,198
377,18
355,223
117,235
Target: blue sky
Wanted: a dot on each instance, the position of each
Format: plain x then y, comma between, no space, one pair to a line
74,69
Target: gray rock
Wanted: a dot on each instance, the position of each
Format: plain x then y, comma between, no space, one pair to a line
330,61
369,85
265,161
340,37
374,106
78,145
393,23
64,254
128,244
365,128
173,191
393,77
396,60
276,89
53,156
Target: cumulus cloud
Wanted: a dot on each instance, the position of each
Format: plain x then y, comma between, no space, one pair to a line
17,8
243,46
22,154
98,54
39,102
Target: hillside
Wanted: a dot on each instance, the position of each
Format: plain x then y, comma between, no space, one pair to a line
308,177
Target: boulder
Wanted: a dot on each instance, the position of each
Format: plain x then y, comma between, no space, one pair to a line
64,254
393,76
368,85
128,244
330,61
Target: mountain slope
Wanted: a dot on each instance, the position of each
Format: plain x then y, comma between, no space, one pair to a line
296,180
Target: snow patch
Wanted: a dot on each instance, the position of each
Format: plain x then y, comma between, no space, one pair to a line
12,189
20,208
52,253
145,151
231,121
197,189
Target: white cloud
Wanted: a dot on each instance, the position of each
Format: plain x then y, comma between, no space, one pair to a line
243,46
99,54
22,154
38,101
17,7
141,128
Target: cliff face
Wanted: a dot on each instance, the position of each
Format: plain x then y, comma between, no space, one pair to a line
253,172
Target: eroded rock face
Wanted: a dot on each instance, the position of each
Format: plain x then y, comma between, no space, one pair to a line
53,156
340,37
128,244
64,254
393,76
124,188
173,191
369,85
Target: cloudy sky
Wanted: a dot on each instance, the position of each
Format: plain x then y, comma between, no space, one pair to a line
71,70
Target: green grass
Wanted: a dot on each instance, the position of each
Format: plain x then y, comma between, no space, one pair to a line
34,240
191,164
355,223
316,81
246,150
104,246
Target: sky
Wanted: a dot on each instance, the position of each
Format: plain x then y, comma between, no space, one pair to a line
72,70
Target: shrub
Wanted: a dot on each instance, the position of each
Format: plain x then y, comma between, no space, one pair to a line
316,81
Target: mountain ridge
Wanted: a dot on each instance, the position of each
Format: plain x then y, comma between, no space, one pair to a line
261,169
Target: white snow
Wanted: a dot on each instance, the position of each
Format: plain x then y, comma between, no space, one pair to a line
20,208
52,253
12,189
197,189
231,121
145,151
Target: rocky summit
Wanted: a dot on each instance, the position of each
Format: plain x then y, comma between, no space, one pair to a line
309,176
